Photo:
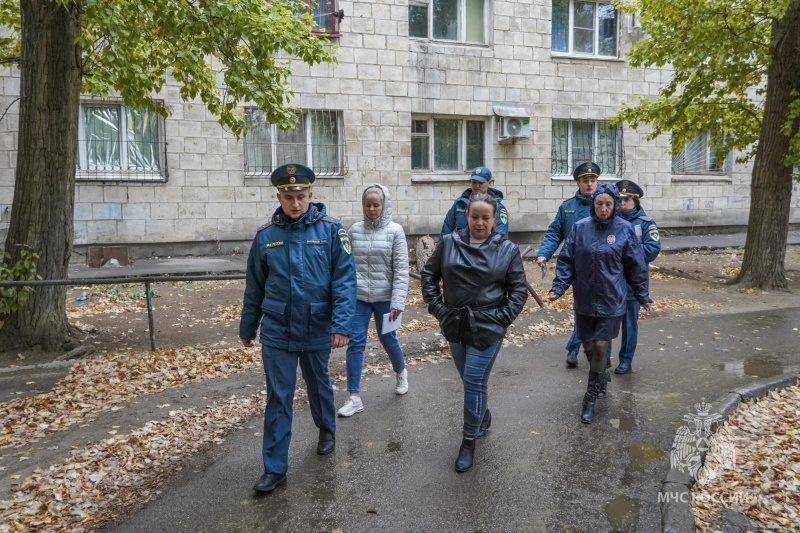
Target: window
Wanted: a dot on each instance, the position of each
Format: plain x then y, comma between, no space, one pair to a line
448,20
584,28
315,141
576,142
447,143
116,142
698,157
326,17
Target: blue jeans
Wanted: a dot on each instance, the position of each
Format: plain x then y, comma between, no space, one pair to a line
358,340
280,367
630,331
474,367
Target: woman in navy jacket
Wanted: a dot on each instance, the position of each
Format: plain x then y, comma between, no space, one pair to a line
601,256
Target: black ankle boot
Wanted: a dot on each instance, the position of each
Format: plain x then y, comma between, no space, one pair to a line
592,390
465,455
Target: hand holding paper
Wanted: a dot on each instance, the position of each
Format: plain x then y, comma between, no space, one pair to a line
391,325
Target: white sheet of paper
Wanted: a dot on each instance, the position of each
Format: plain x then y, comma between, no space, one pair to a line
391,325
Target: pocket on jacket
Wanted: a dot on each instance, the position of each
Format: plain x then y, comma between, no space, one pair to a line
320,318
275,310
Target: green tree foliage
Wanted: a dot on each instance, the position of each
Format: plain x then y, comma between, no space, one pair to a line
23,270
222,52
735,72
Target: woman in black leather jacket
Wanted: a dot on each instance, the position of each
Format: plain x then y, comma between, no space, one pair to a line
484,291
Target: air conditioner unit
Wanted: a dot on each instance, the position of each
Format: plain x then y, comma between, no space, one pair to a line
515,127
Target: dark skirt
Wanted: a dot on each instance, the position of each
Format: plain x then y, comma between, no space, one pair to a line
597,328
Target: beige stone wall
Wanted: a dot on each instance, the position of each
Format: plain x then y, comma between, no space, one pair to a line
381,79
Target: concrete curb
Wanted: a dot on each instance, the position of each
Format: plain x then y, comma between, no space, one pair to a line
675,495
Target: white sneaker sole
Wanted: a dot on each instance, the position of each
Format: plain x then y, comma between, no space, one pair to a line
400,392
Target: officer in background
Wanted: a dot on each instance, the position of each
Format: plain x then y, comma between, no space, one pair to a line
645,228
301,289
571,210
481,182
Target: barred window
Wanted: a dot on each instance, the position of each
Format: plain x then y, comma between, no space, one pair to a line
116,142
577,141
317,141
699,157
580,27
439,143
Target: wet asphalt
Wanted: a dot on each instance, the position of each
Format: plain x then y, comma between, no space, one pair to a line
538,470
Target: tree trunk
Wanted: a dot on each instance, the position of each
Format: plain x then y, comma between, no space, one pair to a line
768,224
50,68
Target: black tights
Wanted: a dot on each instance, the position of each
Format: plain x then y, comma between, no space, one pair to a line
596,350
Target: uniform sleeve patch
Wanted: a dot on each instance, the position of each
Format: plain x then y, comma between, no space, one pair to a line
504,216
654,234
273,244
345,240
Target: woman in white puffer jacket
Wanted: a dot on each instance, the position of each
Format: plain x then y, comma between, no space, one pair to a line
381,255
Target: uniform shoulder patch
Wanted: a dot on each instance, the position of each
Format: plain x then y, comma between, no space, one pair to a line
330,220
567,199
645,218
344,238
265,226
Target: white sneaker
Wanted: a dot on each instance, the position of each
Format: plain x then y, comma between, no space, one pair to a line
402,382
352,406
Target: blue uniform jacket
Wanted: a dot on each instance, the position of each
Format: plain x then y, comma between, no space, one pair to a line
569,213
456,218
645,228
301,282
599,259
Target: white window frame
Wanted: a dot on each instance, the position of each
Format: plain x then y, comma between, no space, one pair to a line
596,31
462,22
607,174
706,159
86,172
340,169
433,174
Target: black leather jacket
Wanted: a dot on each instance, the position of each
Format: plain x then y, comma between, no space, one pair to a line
484,288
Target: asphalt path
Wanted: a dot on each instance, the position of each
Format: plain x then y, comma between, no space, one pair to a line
538,470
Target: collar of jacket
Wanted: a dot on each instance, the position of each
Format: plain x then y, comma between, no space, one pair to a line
631,214
463,235
496,193
582,198
315,212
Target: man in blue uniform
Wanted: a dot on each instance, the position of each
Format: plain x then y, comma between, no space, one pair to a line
480,182
645,228
301,290
572,210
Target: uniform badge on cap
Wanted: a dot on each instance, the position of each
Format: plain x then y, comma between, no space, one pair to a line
478,170
291,169
589,167
292,179
625,183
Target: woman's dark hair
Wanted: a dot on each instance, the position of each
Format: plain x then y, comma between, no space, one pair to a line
485,198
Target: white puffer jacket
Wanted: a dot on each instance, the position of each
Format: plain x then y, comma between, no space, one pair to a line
381,255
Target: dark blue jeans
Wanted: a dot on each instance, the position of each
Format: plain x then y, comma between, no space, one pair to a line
474,367
573,343
280,366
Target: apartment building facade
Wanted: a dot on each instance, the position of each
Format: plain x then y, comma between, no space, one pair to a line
423,91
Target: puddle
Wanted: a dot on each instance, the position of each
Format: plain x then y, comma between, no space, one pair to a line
623,514
394,447
623,424
643,454
760,366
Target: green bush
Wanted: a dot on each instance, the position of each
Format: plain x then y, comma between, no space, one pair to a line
11,298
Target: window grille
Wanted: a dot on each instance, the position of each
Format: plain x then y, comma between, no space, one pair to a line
698,157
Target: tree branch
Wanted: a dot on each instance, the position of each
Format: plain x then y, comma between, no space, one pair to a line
9,60
14,101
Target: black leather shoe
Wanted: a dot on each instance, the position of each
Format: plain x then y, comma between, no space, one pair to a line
622,368
485,425
465,455
327,442
269,482
572,359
